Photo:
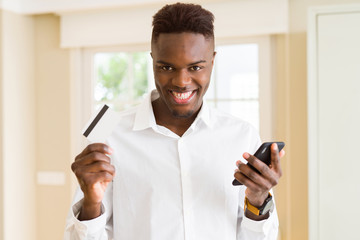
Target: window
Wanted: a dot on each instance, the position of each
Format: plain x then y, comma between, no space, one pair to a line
235,83
121,78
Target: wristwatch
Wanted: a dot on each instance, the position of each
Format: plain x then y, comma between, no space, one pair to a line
263,209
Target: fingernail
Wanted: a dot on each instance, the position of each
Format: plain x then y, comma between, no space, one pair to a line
110,150
275,147
246,155
238,163
236,170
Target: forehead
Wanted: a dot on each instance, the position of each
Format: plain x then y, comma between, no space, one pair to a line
182,45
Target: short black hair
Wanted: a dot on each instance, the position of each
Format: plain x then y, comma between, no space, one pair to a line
183,17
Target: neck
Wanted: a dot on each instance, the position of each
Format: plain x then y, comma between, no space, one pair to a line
165,118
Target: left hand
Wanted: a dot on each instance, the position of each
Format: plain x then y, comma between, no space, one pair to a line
258,186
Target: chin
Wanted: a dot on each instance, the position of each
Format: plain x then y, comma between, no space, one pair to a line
178,114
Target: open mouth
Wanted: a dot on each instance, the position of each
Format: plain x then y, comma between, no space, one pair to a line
182,97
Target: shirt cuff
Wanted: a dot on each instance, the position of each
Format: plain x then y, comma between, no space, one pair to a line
88,226
263,226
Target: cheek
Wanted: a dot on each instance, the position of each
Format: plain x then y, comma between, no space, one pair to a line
204,81
160,79
205,88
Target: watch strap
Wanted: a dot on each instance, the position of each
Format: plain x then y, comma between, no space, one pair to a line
257,210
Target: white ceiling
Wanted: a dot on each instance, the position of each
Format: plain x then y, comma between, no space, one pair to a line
63,6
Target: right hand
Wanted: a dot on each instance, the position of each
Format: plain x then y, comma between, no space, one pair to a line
94,172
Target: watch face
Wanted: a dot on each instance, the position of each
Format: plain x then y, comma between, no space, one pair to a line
269,206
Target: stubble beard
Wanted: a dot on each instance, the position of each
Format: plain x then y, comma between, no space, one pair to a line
186,115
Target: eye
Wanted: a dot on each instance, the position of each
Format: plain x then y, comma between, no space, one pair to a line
166,68
195,68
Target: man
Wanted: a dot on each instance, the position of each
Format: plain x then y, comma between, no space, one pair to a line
172,157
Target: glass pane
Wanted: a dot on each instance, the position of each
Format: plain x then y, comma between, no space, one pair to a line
121,78
237,71
111,75
140,60
246,110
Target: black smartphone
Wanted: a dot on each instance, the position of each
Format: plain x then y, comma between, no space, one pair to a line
264,154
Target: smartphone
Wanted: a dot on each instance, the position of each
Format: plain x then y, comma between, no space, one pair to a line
263,154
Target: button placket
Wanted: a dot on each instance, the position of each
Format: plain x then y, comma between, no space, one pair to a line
186,187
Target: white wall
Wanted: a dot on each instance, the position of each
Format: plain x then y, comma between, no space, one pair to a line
18,128
133,25
1,141
10,5
334,114
51,6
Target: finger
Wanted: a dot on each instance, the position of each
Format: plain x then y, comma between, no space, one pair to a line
261,181
275,157
249,158
95,147
88,180
99,166
94,156
246,181
264,169
90,159
282,153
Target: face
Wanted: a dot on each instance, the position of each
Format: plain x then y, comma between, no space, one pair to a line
182,68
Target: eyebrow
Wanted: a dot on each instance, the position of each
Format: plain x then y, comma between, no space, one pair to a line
194,63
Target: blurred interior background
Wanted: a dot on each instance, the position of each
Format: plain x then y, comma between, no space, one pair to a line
61,59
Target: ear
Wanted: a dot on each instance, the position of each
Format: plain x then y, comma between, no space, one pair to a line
213,58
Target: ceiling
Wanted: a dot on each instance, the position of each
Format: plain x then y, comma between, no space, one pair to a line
63,6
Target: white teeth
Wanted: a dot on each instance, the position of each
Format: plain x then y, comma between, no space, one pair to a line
182,95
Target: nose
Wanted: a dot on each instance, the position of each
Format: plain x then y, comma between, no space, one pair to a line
182,78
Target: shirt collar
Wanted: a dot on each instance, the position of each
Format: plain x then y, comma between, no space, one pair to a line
145,118
204,115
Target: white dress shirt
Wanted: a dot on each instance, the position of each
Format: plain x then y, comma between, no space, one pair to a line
170,187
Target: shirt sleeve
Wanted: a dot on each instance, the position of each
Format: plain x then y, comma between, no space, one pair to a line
251,229
257,230
99,228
